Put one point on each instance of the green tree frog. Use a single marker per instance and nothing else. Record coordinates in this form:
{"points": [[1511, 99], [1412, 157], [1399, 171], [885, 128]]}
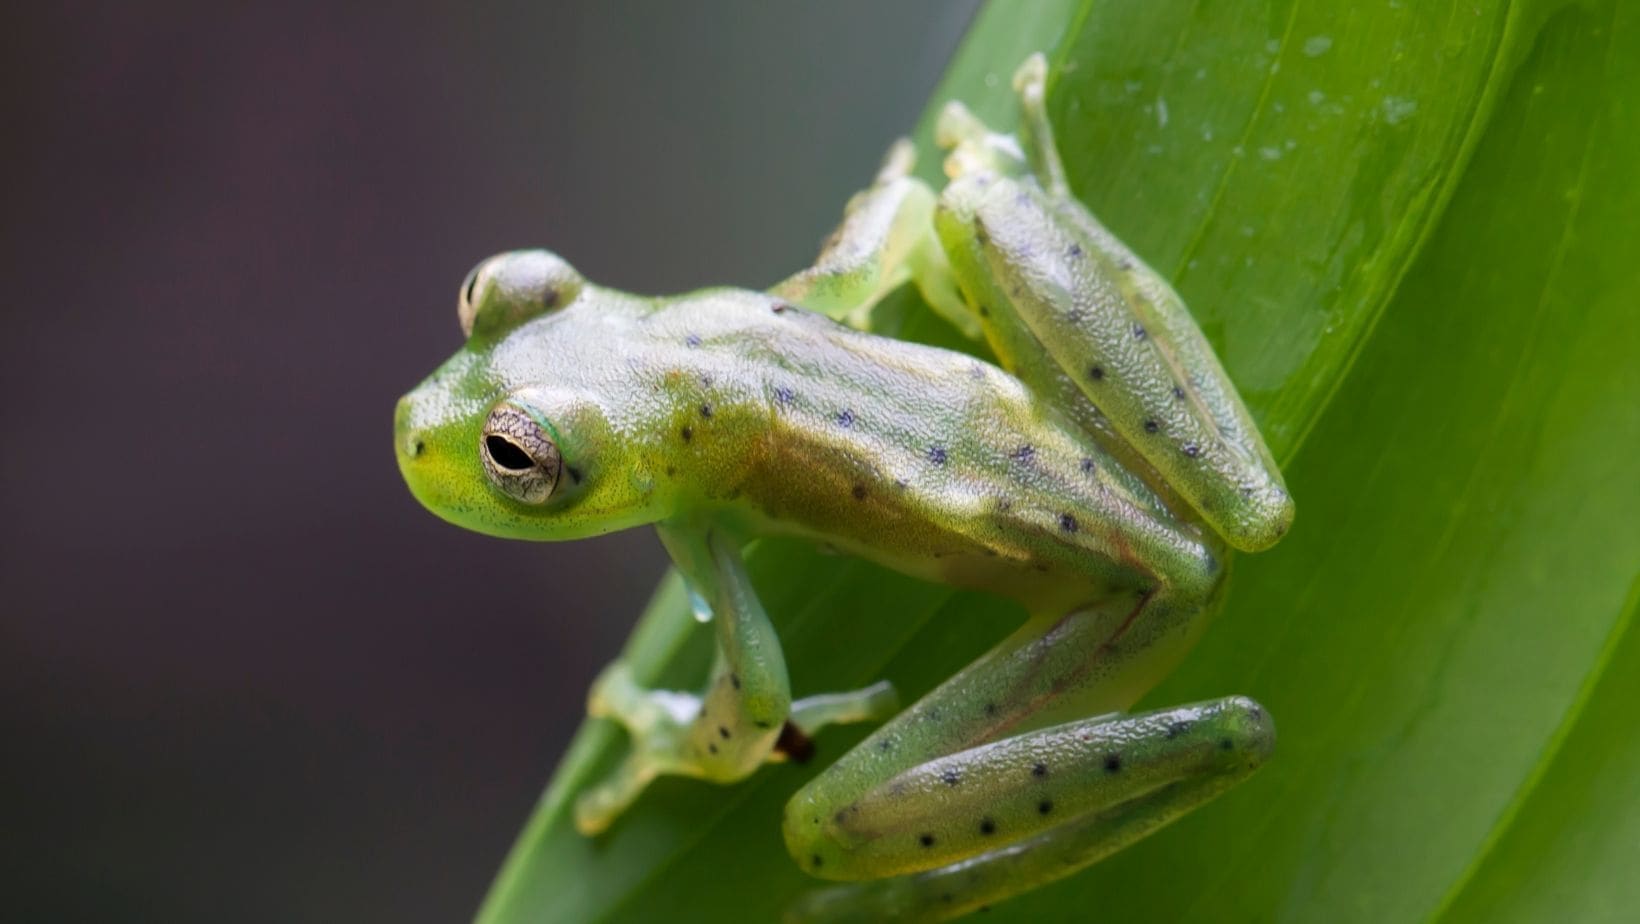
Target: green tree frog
{"points": [[1100, 476]]}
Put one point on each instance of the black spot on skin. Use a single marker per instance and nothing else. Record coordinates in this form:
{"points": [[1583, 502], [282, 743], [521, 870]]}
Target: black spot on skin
{"points": [[763, 725], [706, 411], [723, 733], [990, 708], [1139, 332], [927, 840], [984, 312], [885, 745], [946, 897], [706, 381], [783, 395], [1192, 450], [1040, 770], [1151, 426], [1177, 728], [987, 826], [1178, 393], [936, 455], [688, 433], [1074, 316], [1044, 807], [1246, 492], [859, 492], [549, 298], [734, 681], [932, 715], [1023, 454], [780, 307], [574, 473], [950, 777], [671, 470], [1097, 373], [712, 748], [1075, 251], [816, 862], [845, 418], [691, 340], [1226, 744], [1113, 763], [841, 816], [1067, 523], [1087, 465]]}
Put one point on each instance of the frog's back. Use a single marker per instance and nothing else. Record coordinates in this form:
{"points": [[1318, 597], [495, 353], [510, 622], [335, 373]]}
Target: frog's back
{"points": [[926, 460]]}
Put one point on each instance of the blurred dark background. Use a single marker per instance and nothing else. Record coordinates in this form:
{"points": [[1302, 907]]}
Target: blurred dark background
{"points": [[245, 678]]}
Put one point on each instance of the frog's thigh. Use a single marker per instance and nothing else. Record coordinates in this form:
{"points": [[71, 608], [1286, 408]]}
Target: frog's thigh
{"points": [[886, 238], [1043, 805], [943, 781]]}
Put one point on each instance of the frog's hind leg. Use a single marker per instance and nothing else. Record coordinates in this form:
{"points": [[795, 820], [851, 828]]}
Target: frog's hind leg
{"points": [[746, 716], [1062, 286], [886, 239], [967, 793], [1138, 774]]}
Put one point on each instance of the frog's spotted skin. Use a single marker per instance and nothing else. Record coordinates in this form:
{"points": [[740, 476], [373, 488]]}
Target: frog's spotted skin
{"points": [[1092, 481]]}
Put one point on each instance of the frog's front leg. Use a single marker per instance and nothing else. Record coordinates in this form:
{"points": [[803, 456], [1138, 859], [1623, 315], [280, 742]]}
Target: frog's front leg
{"points": [[886, 239], [746, 716]]}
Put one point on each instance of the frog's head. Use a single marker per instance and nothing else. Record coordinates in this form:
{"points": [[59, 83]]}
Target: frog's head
{"points": [[487, 443]]}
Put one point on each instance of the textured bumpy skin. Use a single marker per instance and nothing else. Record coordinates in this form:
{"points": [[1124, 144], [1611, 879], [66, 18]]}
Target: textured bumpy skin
{"points": [[1100, 477]]}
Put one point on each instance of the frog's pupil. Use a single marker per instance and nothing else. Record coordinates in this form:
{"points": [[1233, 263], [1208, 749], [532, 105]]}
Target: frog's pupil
{"points": [[507, 455]]}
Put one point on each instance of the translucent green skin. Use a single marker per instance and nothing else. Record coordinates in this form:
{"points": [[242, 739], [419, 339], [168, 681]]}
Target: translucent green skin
{"points": [[1100, 481]]}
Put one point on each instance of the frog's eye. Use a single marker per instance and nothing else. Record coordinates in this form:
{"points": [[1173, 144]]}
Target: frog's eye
{"points": [[510, 288], [519, 454]]}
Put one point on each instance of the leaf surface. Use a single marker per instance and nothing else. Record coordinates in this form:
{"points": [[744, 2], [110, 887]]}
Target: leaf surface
{"points": [[1409, 230]]}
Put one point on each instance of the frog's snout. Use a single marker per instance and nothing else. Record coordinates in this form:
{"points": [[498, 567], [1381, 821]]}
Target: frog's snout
{"points": [[407, 440]]}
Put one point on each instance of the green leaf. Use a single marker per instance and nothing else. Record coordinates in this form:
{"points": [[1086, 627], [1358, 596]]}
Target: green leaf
{"points": [[1410, 230]]}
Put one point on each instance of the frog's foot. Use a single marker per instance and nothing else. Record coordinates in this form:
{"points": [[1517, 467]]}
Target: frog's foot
{"points": [[658, 723], [1052, 802], [1036, 132], [976, 149], [676, 734], [886, 239], [973, 147]]}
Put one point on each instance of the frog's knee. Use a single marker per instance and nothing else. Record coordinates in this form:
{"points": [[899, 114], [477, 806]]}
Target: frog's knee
{"points": [[1262, 517], [811, 837]]}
